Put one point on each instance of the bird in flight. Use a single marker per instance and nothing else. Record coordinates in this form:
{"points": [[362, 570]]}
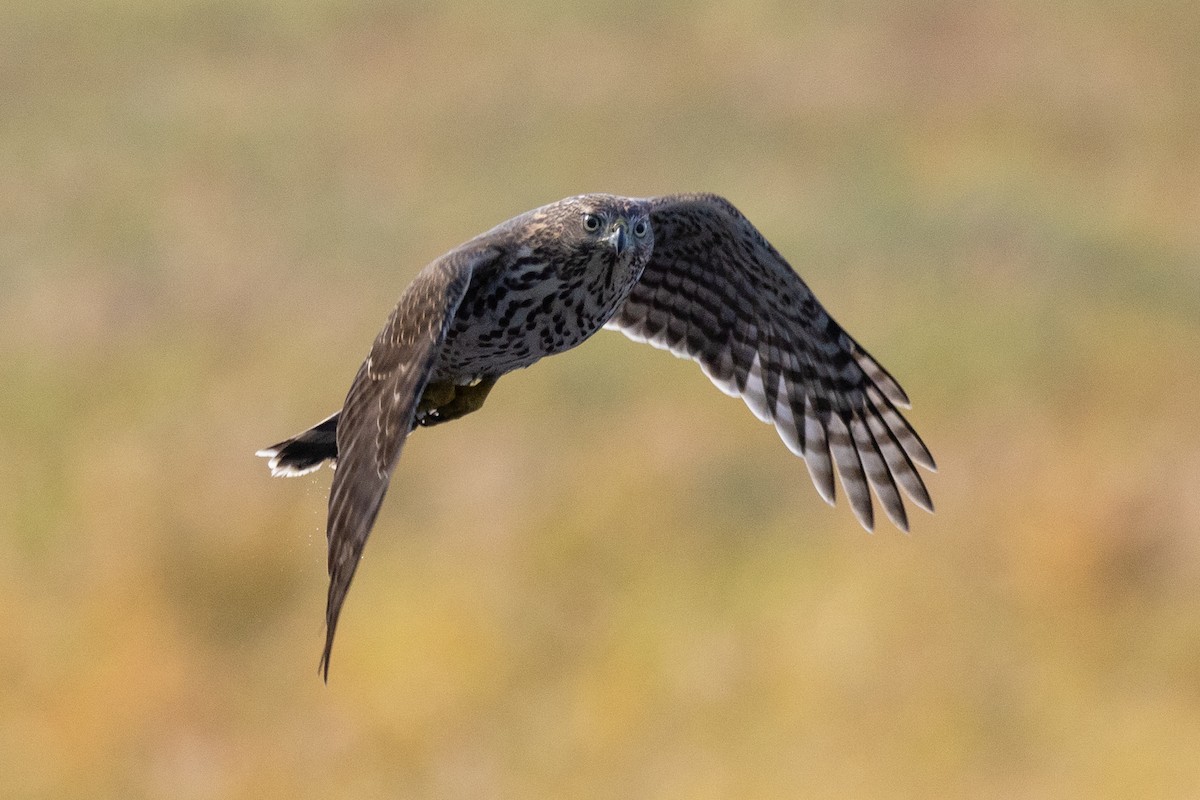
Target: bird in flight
{"points": [[687, 273]]}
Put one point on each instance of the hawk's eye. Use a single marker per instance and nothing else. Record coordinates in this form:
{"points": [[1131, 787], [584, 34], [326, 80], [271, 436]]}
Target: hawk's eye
{"points": [[641, 228], [591, 222]]}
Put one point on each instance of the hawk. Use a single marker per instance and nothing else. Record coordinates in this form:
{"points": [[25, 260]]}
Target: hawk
{"points": [[687, 273]]}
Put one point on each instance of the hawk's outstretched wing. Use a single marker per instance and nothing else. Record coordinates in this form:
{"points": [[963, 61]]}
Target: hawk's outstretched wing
{"points": [[379, 410], [717, 292]]}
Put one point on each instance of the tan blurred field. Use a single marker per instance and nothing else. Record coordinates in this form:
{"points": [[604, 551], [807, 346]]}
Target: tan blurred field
{"points": [[613, 582]]}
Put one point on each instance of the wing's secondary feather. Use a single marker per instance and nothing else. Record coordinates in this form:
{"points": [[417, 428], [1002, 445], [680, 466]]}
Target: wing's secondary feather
{"points": [[378, 414], [717, 292]]}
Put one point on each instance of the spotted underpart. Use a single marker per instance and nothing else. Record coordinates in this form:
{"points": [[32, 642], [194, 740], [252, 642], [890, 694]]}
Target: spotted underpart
{"points": [[687, 273], [529, 307]]}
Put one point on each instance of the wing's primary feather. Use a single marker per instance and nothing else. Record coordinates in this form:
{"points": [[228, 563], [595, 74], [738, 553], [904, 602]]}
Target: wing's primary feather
{"points": [[379, 410], [717, 292]]}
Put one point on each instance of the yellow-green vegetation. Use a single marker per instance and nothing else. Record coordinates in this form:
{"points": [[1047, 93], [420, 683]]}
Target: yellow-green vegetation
{"points": [[612, 582]]}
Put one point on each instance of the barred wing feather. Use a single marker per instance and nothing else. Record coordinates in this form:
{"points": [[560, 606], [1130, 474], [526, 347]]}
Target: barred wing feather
{"points": [[378, 414], [716, 291]]}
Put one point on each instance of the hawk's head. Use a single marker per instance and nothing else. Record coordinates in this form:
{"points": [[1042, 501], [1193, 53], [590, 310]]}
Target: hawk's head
{"points": [[615, 229]]}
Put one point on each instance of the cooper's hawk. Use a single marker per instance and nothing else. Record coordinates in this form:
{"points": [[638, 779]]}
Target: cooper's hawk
{"points": [[687, 273]]}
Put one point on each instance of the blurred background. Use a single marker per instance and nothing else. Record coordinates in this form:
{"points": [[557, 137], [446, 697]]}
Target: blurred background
{"points": [[612, 582]]}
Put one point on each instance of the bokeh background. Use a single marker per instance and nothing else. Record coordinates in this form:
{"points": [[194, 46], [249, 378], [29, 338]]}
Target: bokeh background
{"points": [[613, 582]]}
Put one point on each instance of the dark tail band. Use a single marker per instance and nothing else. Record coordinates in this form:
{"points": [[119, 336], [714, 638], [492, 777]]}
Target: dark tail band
{"points": [[304, 452]]}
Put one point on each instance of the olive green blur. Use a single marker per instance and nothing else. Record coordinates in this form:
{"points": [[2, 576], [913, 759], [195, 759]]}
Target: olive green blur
{"points": [[612, 581]]}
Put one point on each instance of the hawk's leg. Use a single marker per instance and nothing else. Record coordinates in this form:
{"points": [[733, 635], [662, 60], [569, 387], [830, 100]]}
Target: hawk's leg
{"points": [[435, 394], [451, 402]]}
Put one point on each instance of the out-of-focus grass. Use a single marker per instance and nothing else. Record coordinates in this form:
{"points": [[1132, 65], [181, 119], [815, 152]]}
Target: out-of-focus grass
{"points": [[613, 581]]}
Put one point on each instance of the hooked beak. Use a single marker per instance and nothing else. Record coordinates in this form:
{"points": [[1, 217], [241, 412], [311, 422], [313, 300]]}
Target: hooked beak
{"points": [[619, 238]]}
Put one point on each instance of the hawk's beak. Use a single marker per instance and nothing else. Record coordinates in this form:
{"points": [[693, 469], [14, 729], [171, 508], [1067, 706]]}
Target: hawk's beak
{"points": [[619, 238]]}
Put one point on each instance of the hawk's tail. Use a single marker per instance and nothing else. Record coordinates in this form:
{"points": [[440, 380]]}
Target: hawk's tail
{"points": [[304, 452]]}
